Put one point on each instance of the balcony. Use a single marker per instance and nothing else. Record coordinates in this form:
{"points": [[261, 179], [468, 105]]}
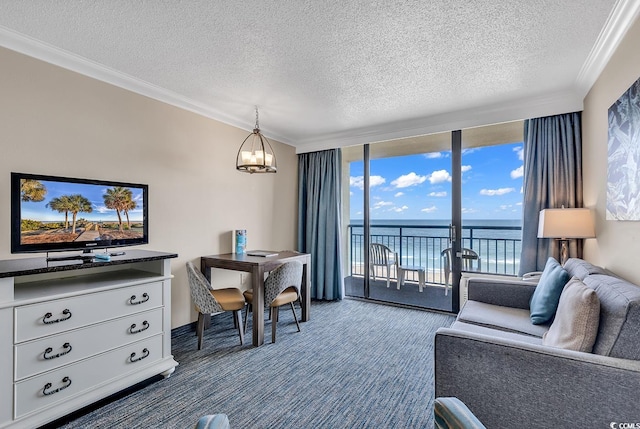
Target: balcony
{"points": [[498, 247]]}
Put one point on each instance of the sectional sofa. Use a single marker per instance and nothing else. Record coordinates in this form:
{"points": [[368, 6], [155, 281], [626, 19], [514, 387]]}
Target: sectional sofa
{"points": [[513, 373]]}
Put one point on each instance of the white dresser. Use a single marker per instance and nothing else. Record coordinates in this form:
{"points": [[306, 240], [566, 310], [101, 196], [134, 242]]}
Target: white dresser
{"points": [[73, 332]]}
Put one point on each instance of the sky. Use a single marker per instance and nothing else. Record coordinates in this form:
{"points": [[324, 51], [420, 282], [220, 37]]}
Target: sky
{"points": [[419, 186], [39, 211]]}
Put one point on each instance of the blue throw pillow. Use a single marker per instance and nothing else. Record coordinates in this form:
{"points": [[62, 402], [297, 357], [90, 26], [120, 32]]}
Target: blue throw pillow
{"points": [[544, 301]]}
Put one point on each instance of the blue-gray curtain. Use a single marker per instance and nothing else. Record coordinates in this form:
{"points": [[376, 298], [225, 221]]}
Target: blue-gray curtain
{"points": [[319, 224], [552, 179]]}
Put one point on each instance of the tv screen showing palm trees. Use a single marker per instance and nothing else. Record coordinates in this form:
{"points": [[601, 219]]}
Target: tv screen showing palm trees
{"points": [[54, 213]]}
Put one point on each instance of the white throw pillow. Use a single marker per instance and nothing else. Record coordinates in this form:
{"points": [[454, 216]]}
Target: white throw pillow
{"points": [[575, 326]]}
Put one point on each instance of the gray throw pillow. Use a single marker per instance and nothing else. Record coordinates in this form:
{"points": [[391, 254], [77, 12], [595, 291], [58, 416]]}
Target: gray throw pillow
{"points": [[576, 324]]}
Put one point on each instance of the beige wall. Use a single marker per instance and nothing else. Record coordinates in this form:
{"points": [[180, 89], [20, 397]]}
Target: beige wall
{"points": [[617, 245], [57, 122]]}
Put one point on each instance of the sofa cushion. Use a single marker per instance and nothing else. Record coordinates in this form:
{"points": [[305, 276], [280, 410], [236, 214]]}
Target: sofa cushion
{"points": [[580, 268], [618, 332], [544, 301], [507, 319], [496, 333], [576, 323]]}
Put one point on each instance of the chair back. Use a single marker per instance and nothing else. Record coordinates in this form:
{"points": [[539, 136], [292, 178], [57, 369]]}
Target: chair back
{"points": [[379, 254], [201, 291], [468, 256], [286, 275]]}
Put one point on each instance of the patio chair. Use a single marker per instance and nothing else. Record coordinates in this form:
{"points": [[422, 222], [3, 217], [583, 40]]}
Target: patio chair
{"points": [[382, 256], [468, 258]]}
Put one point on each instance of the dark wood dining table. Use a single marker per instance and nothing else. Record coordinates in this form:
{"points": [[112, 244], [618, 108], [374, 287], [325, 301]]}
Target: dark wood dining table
{"points": [[257, 266]]}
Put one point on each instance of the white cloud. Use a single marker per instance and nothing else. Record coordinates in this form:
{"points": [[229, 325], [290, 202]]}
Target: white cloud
{"points": [[376, 181], [494, 192], [518, 172], [358, 181], [407, 180], [520, 152], [429, 209], [400, 209], [438, 194], [465, 168], [467, 211], [399, 194], [433, 155], [439, 177], [380, 204]]}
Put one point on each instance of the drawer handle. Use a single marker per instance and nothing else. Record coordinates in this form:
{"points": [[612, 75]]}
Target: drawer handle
{"points": [[66, 312], [51, 392], [49, 350], [133, 330], [133, 358], [145, 298]]}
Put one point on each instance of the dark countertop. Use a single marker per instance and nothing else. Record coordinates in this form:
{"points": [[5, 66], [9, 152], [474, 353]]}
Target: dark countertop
{"points": [[28, 266]]}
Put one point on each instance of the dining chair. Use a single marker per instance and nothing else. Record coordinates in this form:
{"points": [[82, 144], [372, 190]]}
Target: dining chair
{"points": [[468, 258], [209, 301], [381, 256], [281, 287]]}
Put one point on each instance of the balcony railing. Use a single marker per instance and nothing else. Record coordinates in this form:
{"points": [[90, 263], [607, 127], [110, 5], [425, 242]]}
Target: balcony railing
{"points": [[498, 247]]}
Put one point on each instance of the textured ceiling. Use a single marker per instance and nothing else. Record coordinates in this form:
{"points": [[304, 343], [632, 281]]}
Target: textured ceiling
{"points": [[327, 71]]}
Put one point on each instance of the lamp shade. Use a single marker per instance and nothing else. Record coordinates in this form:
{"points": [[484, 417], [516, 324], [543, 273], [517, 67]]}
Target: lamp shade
{"points": [[565, 223], [256, 154]]}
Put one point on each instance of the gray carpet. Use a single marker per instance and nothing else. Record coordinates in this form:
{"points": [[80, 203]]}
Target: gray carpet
{"points": [[354, 365]]}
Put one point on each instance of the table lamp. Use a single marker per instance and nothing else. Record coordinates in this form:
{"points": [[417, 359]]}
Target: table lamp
{"points": [[564, 224]]}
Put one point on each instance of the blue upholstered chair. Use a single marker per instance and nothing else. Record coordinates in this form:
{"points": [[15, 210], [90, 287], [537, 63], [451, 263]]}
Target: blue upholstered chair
{"points": [[213, 301], [281, 287], [452, 413], [213, 421]]}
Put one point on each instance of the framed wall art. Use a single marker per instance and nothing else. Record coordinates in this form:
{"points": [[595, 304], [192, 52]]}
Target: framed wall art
{"points": [[623, 175]]}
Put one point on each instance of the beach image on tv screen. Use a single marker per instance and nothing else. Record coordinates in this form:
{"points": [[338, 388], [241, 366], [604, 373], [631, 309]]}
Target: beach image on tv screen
{"points": [[63, 212]]}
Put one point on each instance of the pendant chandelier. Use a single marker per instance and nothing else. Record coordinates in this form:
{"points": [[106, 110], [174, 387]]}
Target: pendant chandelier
{"points": [[256, 154]]}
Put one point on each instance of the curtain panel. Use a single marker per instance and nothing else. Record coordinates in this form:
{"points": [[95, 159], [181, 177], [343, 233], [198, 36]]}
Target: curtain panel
{"points": [[319, 223], [552, 179]]}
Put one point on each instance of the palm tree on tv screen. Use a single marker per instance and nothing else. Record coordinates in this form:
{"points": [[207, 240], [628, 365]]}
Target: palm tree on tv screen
{"points": [[62, 204], [78, 203], [32, 190], [119, 199], [129, 205]]}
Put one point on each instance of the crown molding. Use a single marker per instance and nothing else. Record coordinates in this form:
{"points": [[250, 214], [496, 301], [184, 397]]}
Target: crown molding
{"points": [[622, 17], [59, 57], [523, 108]]}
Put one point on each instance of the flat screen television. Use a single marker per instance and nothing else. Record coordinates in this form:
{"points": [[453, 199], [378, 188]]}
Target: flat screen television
{"points": [[55, 214]]}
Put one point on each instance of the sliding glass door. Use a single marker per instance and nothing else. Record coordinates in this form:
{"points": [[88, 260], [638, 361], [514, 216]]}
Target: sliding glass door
{"points": [[405, 205]]}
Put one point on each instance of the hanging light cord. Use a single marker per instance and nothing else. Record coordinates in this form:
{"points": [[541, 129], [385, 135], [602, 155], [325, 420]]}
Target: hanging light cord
{"points": [[257, 122]]}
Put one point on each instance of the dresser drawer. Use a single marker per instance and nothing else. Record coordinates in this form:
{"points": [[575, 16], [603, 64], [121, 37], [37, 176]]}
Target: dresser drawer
{"points": [[59, 315], [64, 383], [44, 354]]}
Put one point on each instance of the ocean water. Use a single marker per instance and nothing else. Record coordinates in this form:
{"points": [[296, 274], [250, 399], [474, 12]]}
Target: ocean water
{"points": [[421, 242]]}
